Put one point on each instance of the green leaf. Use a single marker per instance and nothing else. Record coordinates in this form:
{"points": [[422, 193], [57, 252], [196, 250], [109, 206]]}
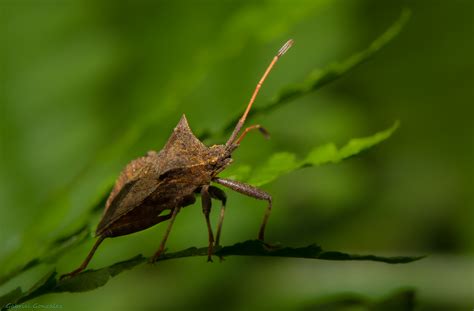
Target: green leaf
{"points": [[313, 251], [284, 162], [92, 279], [320, 77], [279, 164], [357, 145]]}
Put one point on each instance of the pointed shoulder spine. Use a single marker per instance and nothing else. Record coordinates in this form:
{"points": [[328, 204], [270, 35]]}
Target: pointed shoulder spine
{"points": [[183, 123]]}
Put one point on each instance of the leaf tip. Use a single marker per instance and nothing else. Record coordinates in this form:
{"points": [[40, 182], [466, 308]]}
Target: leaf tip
{"points": [[395, 126], [405, 15]]}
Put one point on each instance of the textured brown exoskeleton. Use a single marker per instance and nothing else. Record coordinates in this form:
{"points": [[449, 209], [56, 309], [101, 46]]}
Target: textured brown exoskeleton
{"points": [[168, 180]]}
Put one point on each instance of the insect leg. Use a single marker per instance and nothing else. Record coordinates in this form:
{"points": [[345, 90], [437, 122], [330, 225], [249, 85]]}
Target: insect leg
{"points": [[206, 209], [165, 237], [86, 261], [253, 127], [253, 192], [218, 194]]}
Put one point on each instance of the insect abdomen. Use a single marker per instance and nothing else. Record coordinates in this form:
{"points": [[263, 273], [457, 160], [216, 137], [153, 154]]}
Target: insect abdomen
{"points": [[141, 218]]}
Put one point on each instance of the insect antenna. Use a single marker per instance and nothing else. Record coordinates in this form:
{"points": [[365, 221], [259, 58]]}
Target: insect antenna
{"points": [[230, 144]]}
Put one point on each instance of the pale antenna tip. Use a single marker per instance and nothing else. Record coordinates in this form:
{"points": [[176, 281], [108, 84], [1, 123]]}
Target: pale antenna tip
{"points": [[285, 47]]}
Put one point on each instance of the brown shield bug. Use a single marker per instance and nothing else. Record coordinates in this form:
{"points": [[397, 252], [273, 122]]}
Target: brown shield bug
{"points": [[168, 180]]}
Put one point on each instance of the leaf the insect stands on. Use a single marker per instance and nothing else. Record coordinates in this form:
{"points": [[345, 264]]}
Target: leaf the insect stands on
{"points": [[92, 279]]}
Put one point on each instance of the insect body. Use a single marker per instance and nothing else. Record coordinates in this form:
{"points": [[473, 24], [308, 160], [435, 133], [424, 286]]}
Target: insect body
{"points": [[154, 188]]}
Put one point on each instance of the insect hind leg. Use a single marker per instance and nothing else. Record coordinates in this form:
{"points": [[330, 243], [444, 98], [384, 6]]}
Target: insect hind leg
{"points": [[86, 261], [253, 192]]}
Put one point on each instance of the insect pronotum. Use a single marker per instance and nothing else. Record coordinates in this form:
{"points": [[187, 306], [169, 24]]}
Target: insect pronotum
{"points": [[169, 180]]}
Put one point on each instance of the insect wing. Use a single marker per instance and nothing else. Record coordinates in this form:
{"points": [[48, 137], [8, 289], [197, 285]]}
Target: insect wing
{"points": [[130, 196]]}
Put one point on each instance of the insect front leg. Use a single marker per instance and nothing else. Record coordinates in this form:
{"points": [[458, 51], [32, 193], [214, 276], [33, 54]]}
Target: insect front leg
{"points": [[165, 237], [253, 192], [220, 195], [206, 209], [264, 132]]}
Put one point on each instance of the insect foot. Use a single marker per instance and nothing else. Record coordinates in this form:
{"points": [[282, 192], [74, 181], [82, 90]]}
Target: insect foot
{"points": [[68, 275], [159, 254]]}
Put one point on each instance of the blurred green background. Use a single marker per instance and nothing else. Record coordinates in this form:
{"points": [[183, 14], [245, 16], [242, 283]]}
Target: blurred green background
{"points": [[87, 86]]}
